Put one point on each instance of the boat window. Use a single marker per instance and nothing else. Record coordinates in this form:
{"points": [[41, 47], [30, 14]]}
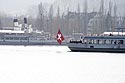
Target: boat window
{"points": [[104, 41], [16, 38], [7, 38], [95, 41], [11, 38], [21, 38], [108, 42], [115, 42], [12, 34], [26, 38], [120, 42], [91, 46], [101, 42], [90, 41], [85, 41], [111, 41], [2, 38]]}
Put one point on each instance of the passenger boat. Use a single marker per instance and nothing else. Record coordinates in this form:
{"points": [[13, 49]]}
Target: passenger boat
{"points": [[102, 43]]}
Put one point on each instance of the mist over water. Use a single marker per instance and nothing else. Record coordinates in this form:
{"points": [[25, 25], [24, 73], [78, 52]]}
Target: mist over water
{"points": [[57, 64]]}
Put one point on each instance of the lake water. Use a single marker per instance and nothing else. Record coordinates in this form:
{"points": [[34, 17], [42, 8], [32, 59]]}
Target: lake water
{"points": [[56, 64]]}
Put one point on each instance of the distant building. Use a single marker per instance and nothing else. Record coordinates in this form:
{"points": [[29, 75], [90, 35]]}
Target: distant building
{"points": [[76, 21], [109, 24], [93, 25]]}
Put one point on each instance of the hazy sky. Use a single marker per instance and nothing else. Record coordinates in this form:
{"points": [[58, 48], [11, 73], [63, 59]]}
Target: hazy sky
{"points": [[19, 5]]}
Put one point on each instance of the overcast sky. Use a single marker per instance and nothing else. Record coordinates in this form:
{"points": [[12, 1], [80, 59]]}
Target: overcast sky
{"points": [[19, 5]]}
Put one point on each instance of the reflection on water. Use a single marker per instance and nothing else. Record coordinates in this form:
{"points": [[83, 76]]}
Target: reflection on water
{"points": [[57, 64]]}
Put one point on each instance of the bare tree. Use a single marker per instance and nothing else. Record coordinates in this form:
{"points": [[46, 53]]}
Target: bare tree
{"points": [[51, 19], [110, 12], [115, 17], [0, 23], [101, 18], [85, 17], [41, 15], [78, 19], [58, 19], [68, 30]]}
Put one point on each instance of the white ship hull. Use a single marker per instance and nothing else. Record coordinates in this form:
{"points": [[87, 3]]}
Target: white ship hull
{"points": [[47, 42], [26, 40]]}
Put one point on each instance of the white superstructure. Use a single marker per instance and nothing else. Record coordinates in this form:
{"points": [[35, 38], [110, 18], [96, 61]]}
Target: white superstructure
{"points": [[23, 35], [102, 43]]}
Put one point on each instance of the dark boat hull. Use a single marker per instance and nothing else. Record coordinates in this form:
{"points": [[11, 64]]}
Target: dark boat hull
{"points": [[110, 50]]}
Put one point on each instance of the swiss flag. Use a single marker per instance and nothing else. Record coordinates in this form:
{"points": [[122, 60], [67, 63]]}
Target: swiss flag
{"points": [[60, 37]]}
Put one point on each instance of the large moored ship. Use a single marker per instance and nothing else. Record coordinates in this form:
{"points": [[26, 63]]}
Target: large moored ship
{"points": [[25, 35]]}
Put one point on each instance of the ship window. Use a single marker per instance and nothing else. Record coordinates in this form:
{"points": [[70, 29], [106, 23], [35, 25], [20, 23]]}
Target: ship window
{"points": [[104, 41], [91, 46], [115, 42], [107, 41], [16, 38], [111, 41], [25, 38], [21, 38], [11, 38], [2, 38], [7, 38], [90, 41], [97, 41], [85, 41], [93, 42], [100, 42], [120, 42], [7, 33]]}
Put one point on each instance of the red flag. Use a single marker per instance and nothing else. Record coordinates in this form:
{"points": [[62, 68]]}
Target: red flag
{"points": [[60, 37]]}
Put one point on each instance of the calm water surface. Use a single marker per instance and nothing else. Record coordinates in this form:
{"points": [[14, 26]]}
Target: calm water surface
{"points": [[56, 64]]}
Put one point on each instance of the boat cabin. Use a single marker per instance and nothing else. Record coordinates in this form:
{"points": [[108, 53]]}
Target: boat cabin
{"points": [[104, 40]]}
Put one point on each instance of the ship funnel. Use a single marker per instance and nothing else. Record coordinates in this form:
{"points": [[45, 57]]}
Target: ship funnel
{"points": [[25, 23], [15, 21], [25, 20]]}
